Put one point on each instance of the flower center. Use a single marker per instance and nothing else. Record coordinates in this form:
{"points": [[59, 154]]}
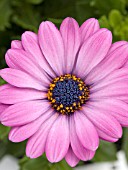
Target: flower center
{"points": [[67, 93]]}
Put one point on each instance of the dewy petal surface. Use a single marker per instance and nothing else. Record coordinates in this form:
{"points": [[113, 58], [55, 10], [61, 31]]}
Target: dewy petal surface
{"points": [[92, 52], [88, 28], [23, 113], [51, 43], [71, 38], [11, 95], [58, 138]]}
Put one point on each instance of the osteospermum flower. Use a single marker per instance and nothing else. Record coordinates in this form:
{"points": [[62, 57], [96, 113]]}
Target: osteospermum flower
{"points": [[66, 89]]}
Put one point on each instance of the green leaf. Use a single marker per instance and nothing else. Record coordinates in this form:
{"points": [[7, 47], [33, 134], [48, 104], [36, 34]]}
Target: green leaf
{"points": [[104, 23], [27, 17], [2, 81], [126, 2], [84, 10], [34, 1], [78, 9], [106, 152], [105, 6], [5, 13], [57, 22], [60, 9], [2, 149], [16, 149], [42, 163], [115, 18], [32, 164], [4, 131], [125, 142], [60, 166]]}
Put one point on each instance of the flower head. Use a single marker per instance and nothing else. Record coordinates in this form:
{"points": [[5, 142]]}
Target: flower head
{"points": [[66, 89]]}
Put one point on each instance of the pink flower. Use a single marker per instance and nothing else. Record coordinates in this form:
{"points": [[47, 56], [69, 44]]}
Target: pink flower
{"points": [[66, 90]]}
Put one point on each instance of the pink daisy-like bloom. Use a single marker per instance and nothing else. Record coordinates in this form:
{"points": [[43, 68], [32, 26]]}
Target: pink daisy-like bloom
{"points": [[66, 89]]}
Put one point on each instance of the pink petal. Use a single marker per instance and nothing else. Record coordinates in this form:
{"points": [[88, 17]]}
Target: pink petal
{"points": [[31, 45], [126, 64], [104, 122], [20, 79], [88, 28], [9, 62], [11, 95], [36, 144], [31, 35], [16, 44], [79, 150], [58, 140], [86, 132], [123, 98], [71, 38], [115, 76], [112, 90], [106, 137], [114, 107], [116, 45], [3, 107], [92, 52], [22, 113], [22, 60], [21, 133], [51, 43], [71, 158], [113, 61]]}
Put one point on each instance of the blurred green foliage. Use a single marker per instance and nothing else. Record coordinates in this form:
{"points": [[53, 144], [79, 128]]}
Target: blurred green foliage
{"points": [[42, 163], [125, 142], [17, 16], [105, 152]]}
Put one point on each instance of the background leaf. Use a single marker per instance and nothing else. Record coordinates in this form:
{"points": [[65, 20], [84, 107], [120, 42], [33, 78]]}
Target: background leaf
{"points": [[5, 14], [16, 149], [106, 152], [125, 142], [34, 1], [17, 16], [26, 17], [3, 149], [32, 164], [115, 18], [3, 131], [104, 7]]}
